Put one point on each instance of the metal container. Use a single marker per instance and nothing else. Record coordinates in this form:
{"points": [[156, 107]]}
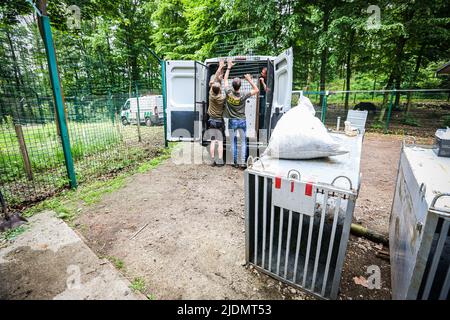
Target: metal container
{"points": [[441, 145], [298, 217], [419, 226]]}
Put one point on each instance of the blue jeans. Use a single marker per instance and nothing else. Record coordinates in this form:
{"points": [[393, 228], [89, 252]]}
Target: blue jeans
{"points": [[233, 126]]}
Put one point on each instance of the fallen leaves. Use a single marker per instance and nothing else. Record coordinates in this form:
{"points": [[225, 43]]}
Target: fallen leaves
{"points": [[360, 281]]}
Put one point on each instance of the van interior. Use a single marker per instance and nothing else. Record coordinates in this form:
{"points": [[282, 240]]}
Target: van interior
{"points": [[258, 108]]}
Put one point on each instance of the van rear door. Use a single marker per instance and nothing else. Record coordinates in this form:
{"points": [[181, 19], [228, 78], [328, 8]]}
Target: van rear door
{"points": [[200, 95], [182, 115], [283, 73]]}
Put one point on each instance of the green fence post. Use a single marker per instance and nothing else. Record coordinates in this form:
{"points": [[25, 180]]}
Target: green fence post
{"points": [[388, 117], [56, 87], [164, 94], [138, 116], [324, 107]]}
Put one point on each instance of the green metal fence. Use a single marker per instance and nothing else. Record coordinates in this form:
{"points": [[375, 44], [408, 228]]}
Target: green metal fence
{"points": [[33, 164], [412, 112]]}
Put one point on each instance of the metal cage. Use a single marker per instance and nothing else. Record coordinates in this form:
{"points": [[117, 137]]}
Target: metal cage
{"points": [[296, 231], [419, 226]]}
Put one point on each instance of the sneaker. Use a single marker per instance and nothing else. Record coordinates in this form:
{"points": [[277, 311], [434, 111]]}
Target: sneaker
{"points": [[242, 166], [235, 165], [220, 163], [213, 163]]}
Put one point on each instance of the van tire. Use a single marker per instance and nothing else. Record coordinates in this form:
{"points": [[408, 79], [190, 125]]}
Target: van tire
{"points": [[148, 122], [124, 121]]}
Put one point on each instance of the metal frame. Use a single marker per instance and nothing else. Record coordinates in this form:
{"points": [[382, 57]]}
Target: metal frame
{"points": [[59, 102], [201, 113], [282, 274], [431, 229]]}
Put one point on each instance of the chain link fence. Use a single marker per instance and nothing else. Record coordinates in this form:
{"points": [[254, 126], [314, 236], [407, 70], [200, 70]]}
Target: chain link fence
{"points": [[407, 112], [105, 134]]}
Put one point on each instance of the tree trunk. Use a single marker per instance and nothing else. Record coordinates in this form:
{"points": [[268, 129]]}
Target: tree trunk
{"points": [[349, 67], [414, 77], [386, 96], [17, 76], [395, 74], [111, 62], [324, 53]]}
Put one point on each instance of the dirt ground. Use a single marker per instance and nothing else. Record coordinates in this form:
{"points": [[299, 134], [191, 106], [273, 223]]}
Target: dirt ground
{"points": [[192, 243], [379, 164]]}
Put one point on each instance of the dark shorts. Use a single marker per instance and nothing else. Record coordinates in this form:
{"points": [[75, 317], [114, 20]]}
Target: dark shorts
{"points": [[216, 129]]}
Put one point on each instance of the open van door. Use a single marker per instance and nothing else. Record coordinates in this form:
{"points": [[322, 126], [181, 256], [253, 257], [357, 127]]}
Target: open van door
{"points": [[182, 114], [200, 96], [282, 92]]}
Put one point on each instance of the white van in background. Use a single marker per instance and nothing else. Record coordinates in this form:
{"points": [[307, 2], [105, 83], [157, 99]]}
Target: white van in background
{"points": [[151, 110]]}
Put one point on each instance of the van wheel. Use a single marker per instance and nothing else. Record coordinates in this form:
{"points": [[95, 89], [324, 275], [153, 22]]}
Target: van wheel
{"points": [[124, 121], [148, 122]]}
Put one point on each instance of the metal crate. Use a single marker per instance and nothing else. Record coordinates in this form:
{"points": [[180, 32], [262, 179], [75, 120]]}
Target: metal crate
{"points": [[419, 226], [441, 145], [296, 230]]}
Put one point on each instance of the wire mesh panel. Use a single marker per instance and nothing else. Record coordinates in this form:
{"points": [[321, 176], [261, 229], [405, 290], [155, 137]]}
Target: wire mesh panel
{"points": [[414, 112], [298, 235], [95, 91]]}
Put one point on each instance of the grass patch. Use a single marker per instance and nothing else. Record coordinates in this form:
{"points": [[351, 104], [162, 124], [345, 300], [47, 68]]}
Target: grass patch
{"points": [[93, 193], [117, 262], [149, 165], [410, 121], [446, 121], [138, 285], [45, 149], [377, 125], [13, 233]]}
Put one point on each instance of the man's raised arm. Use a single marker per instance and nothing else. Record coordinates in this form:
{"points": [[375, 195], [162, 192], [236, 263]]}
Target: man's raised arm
{"points": [[255, 88], [230, 64], [218, 73]]}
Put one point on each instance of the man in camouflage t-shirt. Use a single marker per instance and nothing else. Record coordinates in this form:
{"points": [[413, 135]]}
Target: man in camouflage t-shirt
{"points": [[235, 109], [215, 113]]}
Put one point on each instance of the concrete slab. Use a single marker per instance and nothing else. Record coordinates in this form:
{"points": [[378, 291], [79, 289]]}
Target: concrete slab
{"points": [[50, 261]]}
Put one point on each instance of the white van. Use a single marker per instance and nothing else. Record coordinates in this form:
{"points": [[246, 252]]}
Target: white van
{"points": [[188, 90], [151, 110]]}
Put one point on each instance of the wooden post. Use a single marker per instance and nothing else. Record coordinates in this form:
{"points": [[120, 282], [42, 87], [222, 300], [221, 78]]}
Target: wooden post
{"points": [[138, 115], [116, 120], [24, 151]]}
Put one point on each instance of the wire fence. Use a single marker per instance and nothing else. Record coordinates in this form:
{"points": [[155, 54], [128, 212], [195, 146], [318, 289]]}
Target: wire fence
{"points": [[406, 112], [101, 116]]}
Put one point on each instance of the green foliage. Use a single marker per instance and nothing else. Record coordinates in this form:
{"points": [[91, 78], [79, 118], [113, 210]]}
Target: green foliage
{"points": [[446, 121], [410, 121], [111, 50], [11, 234], [138, 285], [156, 161], [170, 37], [377, 125], [117, 262]]}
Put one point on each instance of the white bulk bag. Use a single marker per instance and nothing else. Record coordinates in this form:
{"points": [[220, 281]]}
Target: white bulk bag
{"points": [[300, 135]]}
